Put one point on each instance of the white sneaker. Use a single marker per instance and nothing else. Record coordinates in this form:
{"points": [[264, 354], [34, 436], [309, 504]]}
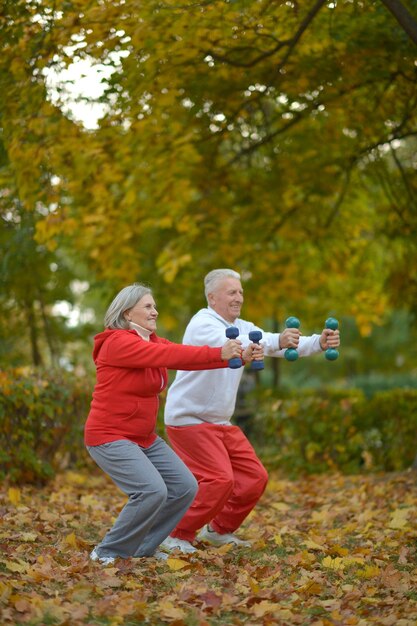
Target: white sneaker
{"points": [[173, 543], [104, 560], [216, 539], [161, 556]]}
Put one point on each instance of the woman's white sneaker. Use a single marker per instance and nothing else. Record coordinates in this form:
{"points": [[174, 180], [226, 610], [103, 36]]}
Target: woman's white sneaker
{"points": [[104, 560], [173, 543]]}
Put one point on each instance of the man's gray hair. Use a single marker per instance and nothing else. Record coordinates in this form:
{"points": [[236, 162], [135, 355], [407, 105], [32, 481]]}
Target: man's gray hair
{"points": [[125, 300], [213, 278]]}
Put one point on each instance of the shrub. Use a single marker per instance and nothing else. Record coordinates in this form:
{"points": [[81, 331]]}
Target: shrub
{"points": [[337, 430], [42, 415], [389, 423]]}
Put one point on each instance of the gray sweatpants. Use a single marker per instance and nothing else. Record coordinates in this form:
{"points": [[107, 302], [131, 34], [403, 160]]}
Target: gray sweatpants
{"points": [[160, 489]]}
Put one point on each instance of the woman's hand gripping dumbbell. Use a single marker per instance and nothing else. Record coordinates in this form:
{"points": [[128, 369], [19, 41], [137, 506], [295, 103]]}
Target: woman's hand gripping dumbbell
{"points": [[235, 360], [256, 349], [251, 353]]}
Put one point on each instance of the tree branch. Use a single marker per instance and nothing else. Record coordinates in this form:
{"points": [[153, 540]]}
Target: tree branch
{"points": [[303, 26], [291, 43], [403, 17]]}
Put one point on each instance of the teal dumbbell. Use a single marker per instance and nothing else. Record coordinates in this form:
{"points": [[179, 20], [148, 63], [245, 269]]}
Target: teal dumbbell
{"points": [[331, 354], [291, 354]]}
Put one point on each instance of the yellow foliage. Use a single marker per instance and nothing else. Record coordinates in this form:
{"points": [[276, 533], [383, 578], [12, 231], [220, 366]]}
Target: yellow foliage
{"points": [[176, 564], [253, 584], [169, 610], [281, 506], [71, 540], [312, 545], [224, 549], [14, 566], [370, 571], [5, 591], [265, 607], [336, 563], [29, 537], [14, 495], [399, 518]]}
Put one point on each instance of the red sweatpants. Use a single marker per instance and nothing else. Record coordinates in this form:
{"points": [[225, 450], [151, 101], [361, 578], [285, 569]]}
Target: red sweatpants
{"points": [[231, 478]]}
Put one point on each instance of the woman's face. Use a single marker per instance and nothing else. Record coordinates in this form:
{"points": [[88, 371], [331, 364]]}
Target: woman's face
{"points": [[144, 313]]}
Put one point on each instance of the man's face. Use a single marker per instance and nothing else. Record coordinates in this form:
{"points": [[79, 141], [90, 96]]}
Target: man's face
{"points": [[227, 299]]}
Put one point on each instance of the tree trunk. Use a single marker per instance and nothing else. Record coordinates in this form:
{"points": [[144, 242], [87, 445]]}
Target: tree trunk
{"points": [[274, 362], [33, 332], [403, 17], [50, 340]]}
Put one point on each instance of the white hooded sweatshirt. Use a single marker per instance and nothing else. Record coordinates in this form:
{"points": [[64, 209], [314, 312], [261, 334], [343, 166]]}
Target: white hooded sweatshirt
{"points": [[210, 395]]}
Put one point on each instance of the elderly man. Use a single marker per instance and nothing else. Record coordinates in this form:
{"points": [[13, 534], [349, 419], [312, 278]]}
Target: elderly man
{"points": [[199, 407]]}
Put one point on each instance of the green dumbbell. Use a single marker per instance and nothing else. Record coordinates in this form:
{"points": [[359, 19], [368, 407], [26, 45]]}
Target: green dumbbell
{"points": [[331, 354], [291, 354]]}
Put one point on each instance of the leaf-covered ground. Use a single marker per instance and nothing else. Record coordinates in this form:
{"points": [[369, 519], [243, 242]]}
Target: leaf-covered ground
{"points": [[327, 550]]}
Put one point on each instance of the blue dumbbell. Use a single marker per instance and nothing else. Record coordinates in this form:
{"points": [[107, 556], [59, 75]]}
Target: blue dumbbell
{"points": [[291, 354], [231, 333], [255, 336], [331, 354]]}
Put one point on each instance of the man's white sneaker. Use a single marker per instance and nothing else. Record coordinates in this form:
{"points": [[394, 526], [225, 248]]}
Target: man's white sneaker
{"points": [[104, 560], [216, 539], [173, 543]]}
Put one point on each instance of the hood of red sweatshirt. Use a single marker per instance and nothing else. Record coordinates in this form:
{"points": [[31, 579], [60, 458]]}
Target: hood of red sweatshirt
{"points": [[101, 338]]}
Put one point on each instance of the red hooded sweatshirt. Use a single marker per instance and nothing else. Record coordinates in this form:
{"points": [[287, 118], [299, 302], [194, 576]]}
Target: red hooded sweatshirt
{"points": [[131, 372]]}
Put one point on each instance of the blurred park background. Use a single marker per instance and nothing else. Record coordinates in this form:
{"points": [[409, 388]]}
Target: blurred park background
{"points": [[156, 141]]}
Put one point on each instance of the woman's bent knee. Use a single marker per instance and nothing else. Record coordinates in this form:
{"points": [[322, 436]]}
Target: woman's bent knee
{"points": [[157, 496]]}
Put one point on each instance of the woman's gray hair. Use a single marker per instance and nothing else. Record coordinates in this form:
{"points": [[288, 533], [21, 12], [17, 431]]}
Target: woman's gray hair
{"points": [[213, 278], [125, 300]]}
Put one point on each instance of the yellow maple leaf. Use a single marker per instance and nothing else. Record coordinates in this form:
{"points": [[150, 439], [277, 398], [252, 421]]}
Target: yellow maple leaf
{"points": [[5, 591], [311, 588], [14, 495], [278, 540], [224, 549], [20, 567], [339, 550], [71, 540], [176, 564], [336, 615], [320, 516], [335, 564], [89, 500], [264, 607], [352, 560], [398, 519], [29, 537], [369, 571], [75, 478], [281, 506], [312, 545], [167, 609]]}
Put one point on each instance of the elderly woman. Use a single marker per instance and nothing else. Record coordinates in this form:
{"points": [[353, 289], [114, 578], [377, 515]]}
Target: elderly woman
{"points": [[131, 362]]}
